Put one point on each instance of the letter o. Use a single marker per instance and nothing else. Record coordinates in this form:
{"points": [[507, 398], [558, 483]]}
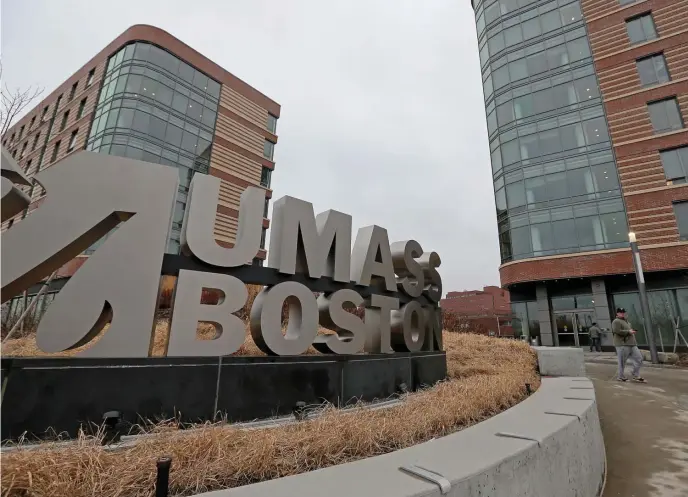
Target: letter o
{"points": [[408, 328], [266, 319]]}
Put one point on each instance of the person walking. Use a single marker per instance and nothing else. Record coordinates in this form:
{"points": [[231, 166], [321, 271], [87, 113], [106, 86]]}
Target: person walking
{"points": [[626, 346], [595, 338]]}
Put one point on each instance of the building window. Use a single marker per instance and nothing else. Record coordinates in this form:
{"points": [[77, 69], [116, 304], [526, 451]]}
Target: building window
{"points": [[57, 104], [28, 165], [55, 151], [681, 211], [272, 123], [45, 111], [675, 163], [35, 142], [641, 28], [26, 144], [652, 70], [265, 208], [82, 106], [89, 80], [21, 132], [12, 138], [265, 176], [65, 118], [665, 115], [263, 233], [33, 121], [268, 149], [73, 92], [72, 140]]}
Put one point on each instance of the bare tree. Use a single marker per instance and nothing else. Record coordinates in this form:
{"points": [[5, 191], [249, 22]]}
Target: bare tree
{"points": [[13, 102]]}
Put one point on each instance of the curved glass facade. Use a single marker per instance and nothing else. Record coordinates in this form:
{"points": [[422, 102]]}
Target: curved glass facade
{"points": [[157, 108], [555, 178]]}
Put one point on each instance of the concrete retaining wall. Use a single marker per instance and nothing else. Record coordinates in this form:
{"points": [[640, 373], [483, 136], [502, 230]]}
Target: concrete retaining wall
{"points": [[548, 445], [561, 361]]}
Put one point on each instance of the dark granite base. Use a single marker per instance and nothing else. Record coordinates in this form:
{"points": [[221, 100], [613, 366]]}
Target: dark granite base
{"points": [[66, 393]]}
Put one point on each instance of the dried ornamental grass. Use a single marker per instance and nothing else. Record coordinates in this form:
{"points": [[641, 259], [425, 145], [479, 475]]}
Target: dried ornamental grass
{"points": [[487, 375]]}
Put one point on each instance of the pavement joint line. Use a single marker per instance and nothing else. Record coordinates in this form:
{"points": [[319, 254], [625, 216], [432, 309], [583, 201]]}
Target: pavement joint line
{"points": [[517, 435], [577, 398], [557, 413], [582, 388], [428, 475]]}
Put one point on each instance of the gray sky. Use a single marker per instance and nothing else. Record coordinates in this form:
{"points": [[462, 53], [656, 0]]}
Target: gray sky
{"points": [[382, 114]]}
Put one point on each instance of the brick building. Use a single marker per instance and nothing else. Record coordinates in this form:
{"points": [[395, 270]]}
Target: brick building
{"points": [[586, 105], [149, 96], [487, 310]]}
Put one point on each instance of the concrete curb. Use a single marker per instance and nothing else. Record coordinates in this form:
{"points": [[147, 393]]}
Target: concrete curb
{"points": [[548, 445]]}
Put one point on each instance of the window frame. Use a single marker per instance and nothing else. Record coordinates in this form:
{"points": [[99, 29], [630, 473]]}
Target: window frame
{"points": [[639, 17], [72, 93], [664, 101], [90, 77], [82, 106], [72, 140], [684, 166], [651, 58], [56, 151], [682, 236]]}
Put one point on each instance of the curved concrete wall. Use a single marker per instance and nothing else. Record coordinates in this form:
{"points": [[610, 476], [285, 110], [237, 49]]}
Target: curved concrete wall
{"points": [[548, 445]]}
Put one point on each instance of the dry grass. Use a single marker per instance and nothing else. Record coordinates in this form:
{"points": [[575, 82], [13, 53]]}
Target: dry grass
{"points": [[26, 345], [487, 375]]}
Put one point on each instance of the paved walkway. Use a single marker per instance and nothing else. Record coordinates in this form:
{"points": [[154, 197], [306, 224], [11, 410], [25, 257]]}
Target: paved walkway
{"points": [[645, 429]]}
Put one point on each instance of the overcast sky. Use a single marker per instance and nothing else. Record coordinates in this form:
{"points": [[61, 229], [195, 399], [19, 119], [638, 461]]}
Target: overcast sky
{"points": [[382, 114]]}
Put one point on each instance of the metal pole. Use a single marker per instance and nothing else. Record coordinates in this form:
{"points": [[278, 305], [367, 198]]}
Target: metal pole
{"points": [[25, 301], [30, 308], [644, 306], [162, 483]]}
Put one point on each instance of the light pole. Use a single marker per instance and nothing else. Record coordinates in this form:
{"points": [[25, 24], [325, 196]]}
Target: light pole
{"points": [[644, 307]]}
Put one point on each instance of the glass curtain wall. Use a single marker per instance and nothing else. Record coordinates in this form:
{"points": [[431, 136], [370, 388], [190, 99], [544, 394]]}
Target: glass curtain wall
{"points": [[525, 320], [668, 308], [157, 108], [555, 179]]}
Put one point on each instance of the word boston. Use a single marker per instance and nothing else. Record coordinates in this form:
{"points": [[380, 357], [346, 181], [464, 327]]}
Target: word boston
{"points": [[398, 284]]}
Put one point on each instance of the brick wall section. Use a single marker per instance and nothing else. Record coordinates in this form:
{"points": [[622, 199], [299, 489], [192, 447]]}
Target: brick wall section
{"points": [[594, 264], [490, 300], [636, 145]]}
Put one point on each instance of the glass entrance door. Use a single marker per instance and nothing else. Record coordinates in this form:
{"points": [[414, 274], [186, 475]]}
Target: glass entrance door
{"points": [[566, 329], [584, 321], [572, 328]]}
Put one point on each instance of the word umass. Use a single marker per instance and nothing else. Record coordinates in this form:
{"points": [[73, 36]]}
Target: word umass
{"points": [[401, 313]]}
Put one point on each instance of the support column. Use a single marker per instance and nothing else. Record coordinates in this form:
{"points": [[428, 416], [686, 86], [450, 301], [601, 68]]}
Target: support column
{"points": [[546, 336], [604, 321]]}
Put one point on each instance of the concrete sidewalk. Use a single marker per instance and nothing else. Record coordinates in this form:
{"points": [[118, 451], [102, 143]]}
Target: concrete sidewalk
{"points": [[645, 429]]}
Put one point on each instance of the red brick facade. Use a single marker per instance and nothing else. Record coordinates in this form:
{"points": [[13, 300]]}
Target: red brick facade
{"points": [[594, 264]]}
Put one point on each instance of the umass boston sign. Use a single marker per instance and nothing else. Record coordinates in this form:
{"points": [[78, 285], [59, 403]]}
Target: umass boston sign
{"points": [[315, 265]]}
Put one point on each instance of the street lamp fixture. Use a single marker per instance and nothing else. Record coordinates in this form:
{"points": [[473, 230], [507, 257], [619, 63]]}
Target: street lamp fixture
{"points": [[645, 308]]}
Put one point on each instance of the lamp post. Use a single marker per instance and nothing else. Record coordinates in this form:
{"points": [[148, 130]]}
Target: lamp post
{"points": [[644, 307]]}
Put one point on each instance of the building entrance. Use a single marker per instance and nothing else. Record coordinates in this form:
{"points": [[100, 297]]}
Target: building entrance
{"points": [[573, 326]]}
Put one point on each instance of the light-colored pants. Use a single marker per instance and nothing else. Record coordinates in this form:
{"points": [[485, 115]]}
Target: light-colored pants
{"points": [[625, 352]]}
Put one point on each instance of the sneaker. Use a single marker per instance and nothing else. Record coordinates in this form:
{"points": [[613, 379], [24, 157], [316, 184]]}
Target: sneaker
{"points": [[640, 379], [621, 378]]}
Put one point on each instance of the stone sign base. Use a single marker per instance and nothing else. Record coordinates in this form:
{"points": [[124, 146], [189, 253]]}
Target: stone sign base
{"points": [[67, 393]]}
